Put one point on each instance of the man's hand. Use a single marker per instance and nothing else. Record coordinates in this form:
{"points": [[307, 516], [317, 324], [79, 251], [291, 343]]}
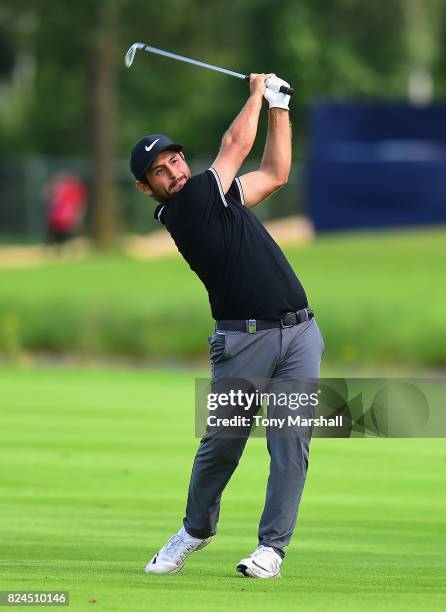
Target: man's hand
{"points": [[272, 93], [257, 84]]}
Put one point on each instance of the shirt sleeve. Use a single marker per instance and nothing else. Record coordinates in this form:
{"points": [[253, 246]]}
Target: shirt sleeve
{"points": [[236, 191]]}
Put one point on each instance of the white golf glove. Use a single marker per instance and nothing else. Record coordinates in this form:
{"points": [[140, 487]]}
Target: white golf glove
{"points": [[276, 99]]}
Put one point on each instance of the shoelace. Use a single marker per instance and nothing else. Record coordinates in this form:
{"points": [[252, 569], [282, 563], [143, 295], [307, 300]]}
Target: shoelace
{"points": [[268, 558], [171, 548]]}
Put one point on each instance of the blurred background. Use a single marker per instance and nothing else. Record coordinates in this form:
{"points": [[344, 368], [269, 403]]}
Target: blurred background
{"points": [[103, 327], [86, 270]]}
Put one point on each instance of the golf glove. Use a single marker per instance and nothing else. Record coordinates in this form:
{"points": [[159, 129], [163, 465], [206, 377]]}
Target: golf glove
{"points": [[276, 99]]}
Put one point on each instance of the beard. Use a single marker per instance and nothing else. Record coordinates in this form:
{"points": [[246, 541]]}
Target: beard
{"points": [[178, 184]]}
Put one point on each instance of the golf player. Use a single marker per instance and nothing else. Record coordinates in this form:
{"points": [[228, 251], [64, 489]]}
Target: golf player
{"points": [[264, 327]]}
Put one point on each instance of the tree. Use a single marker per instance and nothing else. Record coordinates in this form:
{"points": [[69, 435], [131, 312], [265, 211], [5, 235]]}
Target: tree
{"points": [[103, 120], [423, 25]]}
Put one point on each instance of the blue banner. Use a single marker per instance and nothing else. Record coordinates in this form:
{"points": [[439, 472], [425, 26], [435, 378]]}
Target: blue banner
{"points": [[376, 166]]}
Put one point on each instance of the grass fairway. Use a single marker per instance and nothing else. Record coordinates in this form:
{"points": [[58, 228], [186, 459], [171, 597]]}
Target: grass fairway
{"points": [[94, 471]]}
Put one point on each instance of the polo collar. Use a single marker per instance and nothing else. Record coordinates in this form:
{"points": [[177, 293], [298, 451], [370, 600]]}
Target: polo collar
{"points": [[159, 210]]}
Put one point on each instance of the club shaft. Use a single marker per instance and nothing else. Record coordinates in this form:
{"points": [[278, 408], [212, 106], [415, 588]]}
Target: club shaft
{"points": [[188, 60], [131, 54]]}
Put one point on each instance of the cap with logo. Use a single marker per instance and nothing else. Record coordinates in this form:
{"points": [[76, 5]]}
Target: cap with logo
{"points": [[145, 151]]}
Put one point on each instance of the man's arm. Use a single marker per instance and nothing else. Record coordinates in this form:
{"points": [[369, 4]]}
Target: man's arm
{"points": [[238, 140], [276, 162]]}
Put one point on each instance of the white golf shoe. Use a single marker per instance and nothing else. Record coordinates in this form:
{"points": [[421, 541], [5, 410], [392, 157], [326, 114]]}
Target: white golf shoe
{"points": [[264, 562], [172, 557]]}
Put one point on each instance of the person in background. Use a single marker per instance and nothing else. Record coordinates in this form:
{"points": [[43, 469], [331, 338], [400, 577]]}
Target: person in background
{"points": [[67, 201]]}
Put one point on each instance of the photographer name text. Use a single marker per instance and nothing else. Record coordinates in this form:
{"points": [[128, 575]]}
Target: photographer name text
{"points": [[279, 423]]}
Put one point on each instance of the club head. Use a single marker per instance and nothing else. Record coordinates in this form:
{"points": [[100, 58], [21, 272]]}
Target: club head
{"points": [[130, 55]]}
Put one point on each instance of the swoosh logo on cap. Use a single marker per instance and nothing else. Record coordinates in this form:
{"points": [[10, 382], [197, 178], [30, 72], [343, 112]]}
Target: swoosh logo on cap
{"points": [[149, 148]]}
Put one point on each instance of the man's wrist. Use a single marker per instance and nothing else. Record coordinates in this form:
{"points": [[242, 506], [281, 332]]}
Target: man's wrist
{"points": [[255, 102], [256, 96]]}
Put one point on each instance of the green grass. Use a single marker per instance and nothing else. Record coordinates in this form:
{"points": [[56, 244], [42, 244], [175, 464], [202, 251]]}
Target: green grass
{"points": [[94, 473], [379, 299]]}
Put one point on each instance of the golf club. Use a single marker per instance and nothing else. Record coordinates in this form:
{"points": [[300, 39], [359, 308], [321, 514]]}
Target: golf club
{"points": [[130, 56]]}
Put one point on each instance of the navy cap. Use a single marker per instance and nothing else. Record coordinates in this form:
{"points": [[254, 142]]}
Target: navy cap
{"points": [[145, 151]]}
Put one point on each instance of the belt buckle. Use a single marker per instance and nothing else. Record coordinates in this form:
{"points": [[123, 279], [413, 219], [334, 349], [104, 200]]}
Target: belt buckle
{"points": [[282, 325], [251, 326]]}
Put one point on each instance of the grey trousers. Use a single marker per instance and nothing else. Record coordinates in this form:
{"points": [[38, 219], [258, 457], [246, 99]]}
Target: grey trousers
{"points": [[289, 353]]}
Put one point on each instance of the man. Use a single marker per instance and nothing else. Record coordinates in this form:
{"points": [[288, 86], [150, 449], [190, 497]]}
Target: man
{"points": [[264, 327]]}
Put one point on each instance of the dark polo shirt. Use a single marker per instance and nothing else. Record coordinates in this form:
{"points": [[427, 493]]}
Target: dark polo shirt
{"points": [[244, 271]]}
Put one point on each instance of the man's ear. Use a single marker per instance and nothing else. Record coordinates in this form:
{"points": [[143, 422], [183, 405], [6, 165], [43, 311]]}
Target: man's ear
{"points": [[144, 188]]}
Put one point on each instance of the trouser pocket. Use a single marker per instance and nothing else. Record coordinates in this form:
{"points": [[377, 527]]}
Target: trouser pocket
{"points": [[217, 344]]}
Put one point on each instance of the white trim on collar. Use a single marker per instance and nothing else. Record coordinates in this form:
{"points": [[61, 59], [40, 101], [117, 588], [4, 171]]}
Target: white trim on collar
{"points": [[160, 211]]}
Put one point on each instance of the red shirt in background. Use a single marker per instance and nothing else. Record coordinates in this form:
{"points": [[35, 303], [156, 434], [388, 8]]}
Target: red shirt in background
{"points": [[68, 199]]}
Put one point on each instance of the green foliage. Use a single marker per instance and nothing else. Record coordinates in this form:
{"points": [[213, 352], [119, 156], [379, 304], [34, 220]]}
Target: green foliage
{"points": [[378, 300], [326, 48]]}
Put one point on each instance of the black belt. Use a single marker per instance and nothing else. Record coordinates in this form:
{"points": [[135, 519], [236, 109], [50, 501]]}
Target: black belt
{"points": [[253, 325]]}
